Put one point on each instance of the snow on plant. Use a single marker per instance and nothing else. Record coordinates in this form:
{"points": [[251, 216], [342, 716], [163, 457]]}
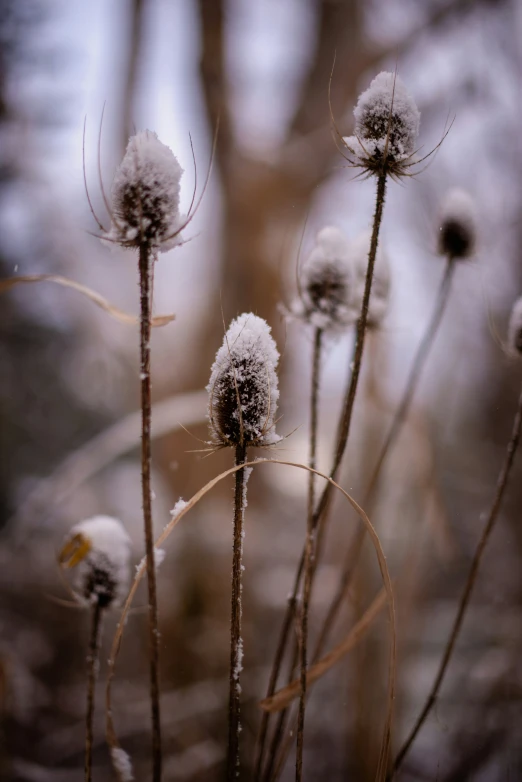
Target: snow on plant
{"points": [[97, 551], [386, 127], [458, 225], [243, 388], [146, 195], [326, 284]]}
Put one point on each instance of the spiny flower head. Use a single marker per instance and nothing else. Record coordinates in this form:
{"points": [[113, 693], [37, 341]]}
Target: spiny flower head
{"points": [[326, 284], [244, 371], [386, 127], [145, 195], [381, 283], [98, 549], [515, 329], [457, 228]]}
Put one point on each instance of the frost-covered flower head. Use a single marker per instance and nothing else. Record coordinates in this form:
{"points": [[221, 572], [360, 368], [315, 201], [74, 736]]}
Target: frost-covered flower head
{"points": [[515, 329], [458, 226], [145, 195], [244, 371], [98, 551], [381, 283], [386, 127], [326, 283]]}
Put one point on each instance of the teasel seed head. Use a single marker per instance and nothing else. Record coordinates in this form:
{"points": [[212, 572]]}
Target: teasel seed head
{"points": [[515, 329], [386, 127], [381, 283], [244, 371], [98, 551], [326, 284], [458, 225], [146, 195]]}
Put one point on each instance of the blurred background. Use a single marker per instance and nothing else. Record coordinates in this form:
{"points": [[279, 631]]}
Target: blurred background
{"points": [[69, 386]]}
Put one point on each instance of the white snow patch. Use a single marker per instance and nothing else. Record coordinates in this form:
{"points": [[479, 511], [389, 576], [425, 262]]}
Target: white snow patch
{"points": [[122, 764]]}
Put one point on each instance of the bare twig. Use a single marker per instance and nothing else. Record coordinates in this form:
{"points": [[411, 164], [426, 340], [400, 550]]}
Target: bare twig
{"points": [[502, 483], [309, 551], [145, 263], [92, 671]]}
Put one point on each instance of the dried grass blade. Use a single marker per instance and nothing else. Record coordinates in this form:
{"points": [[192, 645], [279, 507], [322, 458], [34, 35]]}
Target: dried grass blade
{"points": [[96, 298]]}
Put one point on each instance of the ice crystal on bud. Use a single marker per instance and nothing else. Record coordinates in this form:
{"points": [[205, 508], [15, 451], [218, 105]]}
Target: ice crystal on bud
{"points": [[243, 389], [381, 284], [457, 230], [145, 195], [515, 328], [326, 284], [386, 127], [98, 551]]}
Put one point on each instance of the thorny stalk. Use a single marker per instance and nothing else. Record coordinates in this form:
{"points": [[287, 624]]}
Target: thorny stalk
{"points": [[492, 516], [145, 272], [344, 422], [309, 551], [399, 418], [236, 650], [92, 672]]}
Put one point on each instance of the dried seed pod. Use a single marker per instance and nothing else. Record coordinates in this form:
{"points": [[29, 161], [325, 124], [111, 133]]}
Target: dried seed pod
{"points": [[326, 284], [515, 329], [457, 229], [243, 388], [146, 194], [98, 549], [381, 284], [386, 126]]}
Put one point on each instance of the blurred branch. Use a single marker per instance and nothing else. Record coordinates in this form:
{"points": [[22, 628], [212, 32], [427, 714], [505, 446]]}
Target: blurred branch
{"points": [[171, 414], [136, 21]]}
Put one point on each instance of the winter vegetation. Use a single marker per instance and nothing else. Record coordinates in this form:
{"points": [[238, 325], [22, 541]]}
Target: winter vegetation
{"points": [[274, 534]]}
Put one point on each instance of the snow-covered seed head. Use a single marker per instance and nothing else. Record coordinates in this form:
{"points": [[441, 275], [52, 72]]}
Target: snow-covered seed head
{"points": [[98, 551], [326, 284], [244, 371], [145, 195], [386, 126], [515, 329], [457, 228], [381, 283]]}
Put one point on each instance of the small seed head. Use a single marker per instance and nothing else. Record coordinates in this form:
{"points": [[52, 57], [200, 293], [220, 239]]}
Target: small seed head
{"points": [[386, 126], [326, 284], [243, 388], [146, 194], [457, 229], [98, 550]]}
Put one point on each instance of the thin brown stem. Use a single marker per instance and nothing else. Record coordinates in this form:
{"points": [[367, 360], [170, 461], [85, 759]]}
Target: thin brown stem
{"points": [[399, 418], [502, 483], [92, 671], [236, 644], [145, 270], [344, 422], [309, 551]]}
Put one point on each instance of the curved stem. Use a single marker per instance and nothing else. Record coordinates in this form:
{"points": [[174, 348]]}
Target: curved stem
{"points": [[399, 418], [92, 671], [145, 270], [309, 552], [343, 427], [502, 483], [236, 644]]}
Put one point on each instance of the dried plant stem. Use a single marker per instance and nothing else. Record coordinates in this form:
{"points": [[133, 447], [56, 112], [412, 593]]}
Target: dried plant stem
{"points": [[343, 428], [145, 269], [309, 551], [236, 651], [502, 483], [92, 671], [399, 418]]}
